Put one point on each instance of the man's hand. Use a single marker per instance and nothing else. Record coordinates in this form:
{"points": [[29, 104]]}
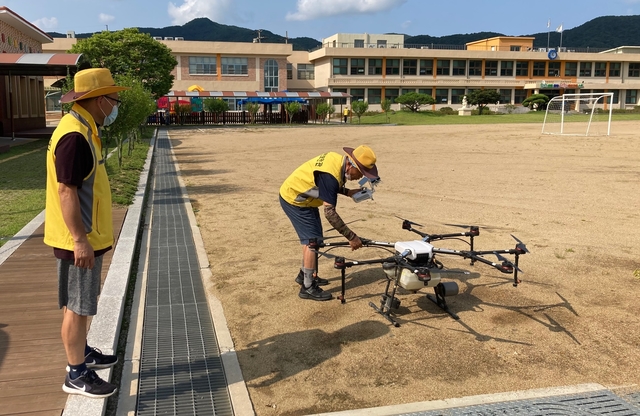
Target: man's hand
{"points": [[83, 254], [355, 243], [352, 192]]}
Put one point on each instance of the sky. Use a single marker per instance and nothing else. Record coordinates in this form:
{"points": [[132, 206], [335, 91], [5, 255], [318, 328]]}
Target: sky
{"points": [[322, 18]]}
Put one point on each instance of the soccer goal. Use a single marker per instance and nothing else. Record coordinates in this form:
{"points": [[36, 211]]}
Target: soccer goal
{"points": [[586, 114]]}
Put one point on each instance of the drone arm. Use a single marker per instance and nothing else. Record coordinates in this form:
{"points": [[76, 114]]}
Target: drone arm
{"points": [[504, 267]]}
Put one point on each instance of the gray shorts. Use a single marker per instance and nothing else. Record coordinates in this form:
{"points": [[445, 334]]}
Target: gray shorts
{"points": [[306, 221], [78, 289]]}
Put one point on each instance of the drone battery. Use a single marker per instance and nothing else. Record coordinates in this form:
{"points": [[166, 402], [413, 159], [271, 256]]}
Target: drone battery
{"points": [[419, 250]]}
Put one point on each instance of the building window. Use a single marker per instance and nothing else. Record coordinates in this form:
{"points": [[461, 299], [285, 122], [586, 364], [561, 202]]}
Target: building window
{"points": [[616, 96], [634, 70], [340, 66], [234, 66], [505, 96], [393, 67], [522, 68], [271, 75], [289, 71], [375, 95], [459, 67], [554, 69], [506, 68], [519, 96], [631, 97], [442, 96], [358, 43], [570, 69], [475, 68], [391, 94], [426, 66], [375, 66], [357, 66], [585, 69], [614, 69], [600, 69], [409, 67], [407, 90], [491, 68], [456, 95], [306, 71], [202, 65], [539, 69], [340, 101], [427, 91], [514, 48], [443, 67], [357, 94]]}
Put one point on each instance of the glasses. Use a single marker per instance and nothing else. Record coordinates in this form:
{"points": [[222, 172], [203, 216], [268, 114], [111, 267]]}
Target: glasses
{"points": [[113, 99]]}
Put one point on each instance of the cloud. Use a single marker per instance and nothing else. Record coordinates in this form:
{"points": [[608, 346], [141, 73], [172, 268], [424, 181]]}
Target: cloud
{"points": [[406, 24], [106, 18], [313, 9], [46, 23], [215, 10]]}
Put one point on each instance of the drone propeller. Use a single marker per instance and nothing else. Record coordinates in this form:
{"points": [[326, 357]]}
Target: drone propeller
{"points": [[506, 260], [409, 222], [520, 244]]}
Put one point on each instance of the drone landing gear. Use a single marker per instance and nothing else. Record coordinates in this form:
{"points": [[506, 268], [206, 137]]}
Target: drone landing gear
{"points": [[442, 290], [388, 302]]}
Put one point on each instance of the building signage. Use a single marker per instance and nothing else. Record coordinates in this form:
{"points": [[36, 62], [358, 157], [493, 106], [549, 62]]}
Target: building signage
{"points": [[564, 85]]}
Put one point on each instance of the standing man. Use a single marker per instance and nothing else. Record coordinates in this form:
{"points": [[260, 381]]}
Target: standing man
{"points": [[345, 113], [316, 183], [78, 222]]}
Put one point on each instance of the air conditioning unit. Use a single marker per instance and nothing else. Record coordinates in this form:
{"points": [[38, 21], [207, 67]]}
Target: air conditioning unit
{"points": [[157, 37], [168, 38], [371, 45], [179, 38]]}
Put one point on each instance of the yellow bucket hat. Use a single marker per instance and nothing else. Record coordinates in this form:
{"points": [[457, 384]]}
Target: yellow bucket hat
{"points": [[365, 159], [90, 83]]}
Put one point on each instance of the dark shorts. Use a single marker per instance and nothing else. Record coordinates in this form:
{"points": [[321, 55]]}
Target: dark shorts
{"points": [[306, 221], [78, 289]]}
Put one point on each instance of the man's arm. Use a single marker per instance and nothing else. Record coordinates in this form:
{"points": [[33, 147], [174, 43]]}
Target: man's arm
{"points": [[335, 220], [70, 205]]}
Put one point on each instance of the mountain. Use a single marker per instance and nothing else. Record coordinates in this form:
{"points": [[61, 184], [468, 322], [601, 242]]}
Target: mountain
{"points": [[600, 33]]}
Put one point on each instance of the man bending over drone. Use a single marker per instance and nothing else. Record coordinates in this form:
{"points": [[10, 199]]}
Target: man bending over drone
{"points": [[318, 182]]}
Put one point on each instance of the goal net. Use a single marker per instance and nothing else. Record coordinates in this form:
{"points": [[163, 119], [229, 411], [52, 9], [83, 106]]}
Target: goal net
{"points": [[586, 114]]}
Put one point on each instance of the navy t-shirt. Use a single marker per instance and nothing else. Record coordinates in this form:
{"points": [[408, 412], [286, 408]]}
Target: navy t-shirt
{"points": [[328, 187]]}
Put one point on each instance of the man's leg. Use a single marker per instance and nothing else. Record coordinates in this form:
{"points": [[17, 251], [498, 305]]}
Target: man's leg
{"points": [[74, 336]]}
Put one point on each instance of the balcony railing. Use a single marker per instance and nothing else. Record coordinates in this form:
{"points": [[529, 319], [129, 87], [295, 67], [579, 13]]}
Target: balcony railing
{"points": [[436, 46]]}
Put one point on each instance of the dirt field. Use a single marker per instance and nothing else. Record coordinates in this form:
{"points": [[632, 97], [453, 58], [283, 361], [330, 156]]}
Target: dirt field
{"points": [[574, 201]]}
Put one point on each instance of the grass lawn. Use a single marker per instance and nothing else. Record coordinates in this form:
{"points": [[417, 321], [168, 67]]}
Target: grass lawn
{"points": [[407, 118], [23, 180]]}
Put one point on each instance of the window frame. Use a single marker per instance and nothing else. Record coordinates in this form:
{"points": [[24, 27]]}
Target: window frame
{"points": [[356, 65], [239, 64], [340, 66], [212, 62]]}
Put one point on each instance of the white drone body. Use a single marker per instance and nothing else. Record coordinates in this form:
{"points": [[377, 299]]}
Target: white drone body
{"points": [[419, 252]]}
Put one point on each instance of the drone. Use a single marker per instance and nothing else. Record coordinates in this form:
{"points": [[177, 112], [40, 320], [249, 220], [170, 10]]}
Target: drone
{"points": [[414, 265]]}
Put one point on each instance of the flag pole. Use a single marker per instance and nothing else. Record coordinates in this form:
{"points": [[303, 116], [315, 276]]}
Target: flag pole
{"points": [[548, 33], [562, 26]]}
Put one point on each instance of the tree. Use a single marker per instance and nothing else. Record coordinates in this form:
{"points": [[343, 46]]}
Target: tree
{"points": [[359, 108], [536, 101], [129, 52], [325, 109], [216, 106], [182, 110], [482, 98], [292, 108], [136, 104], [413, 100], [253, 109], [386, 107]]}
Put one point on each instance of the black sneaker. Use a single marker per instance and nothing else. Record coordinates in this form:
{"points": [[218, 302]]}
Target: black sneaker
{"points": [[319, 281], [89, 384], [314, 293], [96, 359]]}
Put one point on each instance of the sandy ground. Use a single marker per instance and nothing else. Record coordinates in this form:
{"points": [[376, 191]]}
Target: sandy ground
{"points": [[573, 200]]}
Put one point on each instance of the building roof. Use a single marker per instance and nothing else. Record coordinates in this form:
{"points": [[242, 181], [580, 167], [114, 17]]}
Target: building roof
{"points": [[12, 19], [245, 94], [38, 63]]}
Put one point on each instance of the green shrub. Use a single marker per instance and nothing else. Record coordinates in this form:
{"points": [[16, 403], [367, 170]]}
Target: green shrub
{"points": [[448, 111]]}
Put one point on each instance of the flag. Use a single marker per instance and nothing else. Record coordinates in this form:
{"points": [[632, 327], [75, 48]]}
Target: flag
{"points": [[548, 23], [559, 29]]}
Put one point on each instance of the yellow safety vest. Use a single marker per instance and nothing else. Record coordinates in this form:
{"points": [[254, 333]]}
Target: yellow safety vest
{"points": [[299, 188], [95, 194]]}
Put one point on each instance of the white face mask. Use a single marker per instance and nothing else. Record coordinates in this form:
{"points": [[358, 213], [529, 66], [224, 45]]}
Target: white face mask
{"points": [[109, 119]]}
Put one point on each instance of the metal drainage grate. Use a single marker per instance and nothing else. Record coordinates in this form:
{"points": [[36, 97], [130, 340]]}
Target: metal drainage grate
{"points": [[181, 371], [601, 402]]}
